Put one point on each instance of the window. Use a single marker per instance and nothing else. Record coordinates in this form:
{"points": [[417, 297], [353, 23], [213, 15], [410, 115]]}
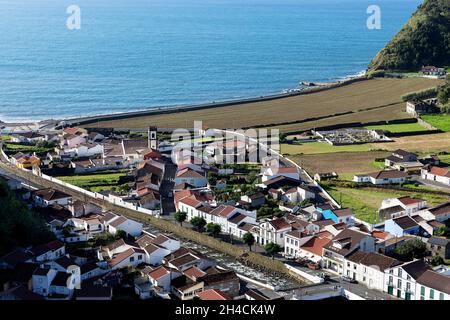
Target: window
{"points": [[400, 272], [431, 294], [131, 259], [441, 296], [391, 271], [408, 286], [140, 257], [399, 283], [408, 277], [422, 291], [348, 264]]}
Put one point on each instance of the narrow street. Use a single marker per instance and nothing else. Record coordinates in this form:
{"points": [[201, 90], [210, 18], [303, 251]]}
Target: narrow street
{"points": [[166, 190]]}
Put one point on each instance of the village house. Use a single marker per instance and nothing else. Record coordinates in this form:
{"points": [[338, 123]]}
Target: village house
{"points": [[369, 268], [418, 107], [47, 197], [27, 137], [273, 230], [336, 215], [433, 71], [130, 227], [95, 137], [162, 277], [439, 246], [343, 244], [213, 294], [49, 282], [382, 177], [403, 161], [396, 207], [323, 176], [25, 161], [438, 174], [269, 173], [401, 226], [439, 213], [253, 200], [197, 179], [415, 281], [80, 208]]}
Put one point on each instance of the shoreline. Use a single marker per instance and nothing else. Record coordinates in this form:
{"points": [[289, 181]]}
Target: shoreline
{"points": [[190, 107]]}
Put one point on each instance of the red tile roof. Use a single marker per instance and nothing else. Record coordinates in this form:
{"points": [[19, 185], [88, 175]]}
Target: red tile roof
{"points": [[408, 200], [445, 172], [194, 272], [158, 273], [213, 294], [315, 245], [280, 224]]}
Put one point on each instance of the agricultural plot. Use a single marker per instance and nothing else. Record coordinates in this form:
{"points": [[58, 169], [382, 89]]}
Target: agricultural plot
{"points": [[95, 182], [399, 128], [440, 121]]}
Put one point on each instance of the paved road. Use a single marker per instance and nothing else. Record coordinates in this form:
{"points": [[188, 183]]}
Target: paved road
{"points": [[166, 190]]}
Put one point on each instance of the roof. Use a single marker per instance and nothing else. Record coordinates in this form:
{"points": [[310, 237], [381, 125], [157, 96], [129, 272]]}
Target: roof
{"points": [[280, 181], [402, 153], [237, 218], [343, 212], [191, 201], [390, 210], [188, 173], [160, 239], [15, 257], [441, 209], [444, 172], [144, 240], [194, 272], [213, 294], [388, 174], [50, 194], [371, 259], [223, 210], [409, 201], [435, 280], [315, 245], [348, 239], [117, 222], [380, 234], [185, 259], [118, 258], [158, 273], [65, 262], [439, 241], [20, 292], [280, 224], [116, 244], [224, 276], [405, 222]]}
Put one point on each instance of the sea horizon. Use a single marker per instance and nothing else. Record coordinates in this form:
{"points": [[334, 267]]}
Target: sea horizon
{"points": [[230, 54]]}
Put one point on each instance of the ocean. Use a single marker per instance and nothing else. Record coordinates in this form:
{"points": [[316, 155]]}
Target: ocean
{"points": [[131, 55]]}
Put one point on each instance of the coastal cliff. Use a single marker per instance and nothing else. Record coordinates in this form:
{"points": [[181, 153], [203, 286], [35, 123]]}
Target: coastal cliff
{"points": [[423, 40]]}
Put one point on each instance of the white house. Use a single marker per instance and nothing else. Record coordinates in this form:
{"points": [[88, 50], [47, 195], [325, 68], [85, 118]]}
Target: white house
{"points": [[415, 281], [47, 197], [369, 268], [130, 227], [192, 177], [162, 277], [48, 252], [438, 174], [439, 213], [297, 194], [382, 177], [131, 257], [272, 172], [406, 205], [273, 231]]}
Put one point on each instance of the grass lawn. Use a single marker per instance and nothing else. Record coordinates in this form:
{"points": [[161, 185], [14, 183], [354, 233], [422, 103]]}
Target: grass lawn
{"points": [[321, 147], [440, 121], [5, 137], [94, 182], [445, 158], [398, 128], [377, 164], [365, 202]]}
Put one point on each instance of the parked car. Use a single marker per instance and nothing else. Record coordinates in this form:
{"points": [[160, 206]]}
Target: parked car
{"points": [[349, 280]]}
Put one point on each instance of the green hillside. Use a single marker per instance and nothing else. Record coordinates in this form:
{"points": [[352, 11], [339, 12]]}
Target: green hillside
{"points": [[423, 40]]}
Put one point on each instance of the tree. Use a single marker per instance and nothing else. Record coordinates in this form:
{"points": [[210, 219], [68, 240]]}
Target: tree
{"points": [[437, 261], [249, 240], [213, 229], [198, 223], [272, 249], [180, 217], [411, 249]]}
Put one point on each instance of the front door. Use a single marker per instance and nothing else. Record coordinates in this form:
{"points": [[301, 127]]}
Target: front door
{"points": [[408, 296], [399, 293], [391, 290]]}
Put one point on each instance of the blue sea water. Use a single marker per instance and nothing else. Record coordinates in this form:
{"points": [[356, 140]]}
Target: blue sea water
{"points": [[134, 54]]}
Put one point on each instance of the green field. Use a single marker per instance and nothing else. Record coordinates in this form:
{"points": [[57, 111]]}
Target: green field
{"points": [[440, 121], [399, 128], [322, 147], [365, 202], [11, 148], [94, 182], [445, 158]]}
